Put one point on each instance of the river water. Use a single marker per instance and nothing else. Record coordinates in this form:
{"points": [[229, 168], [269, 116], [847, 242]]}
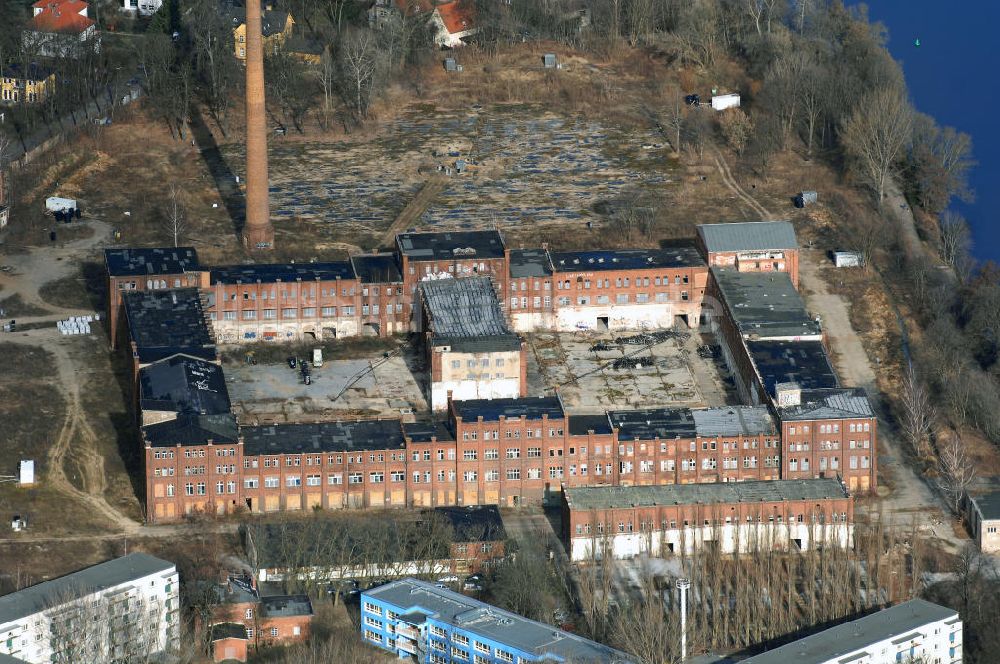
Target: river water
{"points": [[952, 76]]}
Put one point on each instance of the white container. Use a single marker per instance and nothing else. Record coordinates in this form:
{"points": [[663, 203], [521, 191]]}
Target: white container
{"points": [[57, 204], [722, 102]]}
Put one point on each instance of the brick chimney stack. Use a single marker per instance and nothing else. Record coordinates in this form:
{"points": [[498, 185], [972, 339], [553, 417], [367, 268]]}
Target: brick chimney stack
{"points": [[258, 234]]}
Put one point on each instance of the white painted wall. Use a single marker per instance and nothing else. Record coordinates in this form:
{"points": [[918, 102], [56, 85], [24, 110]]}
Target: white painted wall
{"points": [[620, 316], [496, 388], [29, 636], [730, 537]]}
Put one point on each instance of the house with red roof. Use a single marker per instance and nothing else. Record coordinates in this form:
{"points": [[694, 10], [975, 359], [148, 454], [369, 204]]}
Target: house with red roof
{"points": [[61, 28], [451, 21], [454, 22]]}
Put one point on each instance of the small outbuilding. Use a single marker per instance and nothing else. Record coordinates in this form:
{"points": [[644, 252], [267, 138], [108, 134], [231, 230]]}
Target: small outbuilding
{"points": [[847, 259], [549, 61], [722, 102]]}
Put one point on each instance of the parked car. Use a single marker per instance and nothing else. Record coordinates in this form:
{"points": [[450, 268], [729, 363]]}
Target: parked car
{"points": [[474, 582]]}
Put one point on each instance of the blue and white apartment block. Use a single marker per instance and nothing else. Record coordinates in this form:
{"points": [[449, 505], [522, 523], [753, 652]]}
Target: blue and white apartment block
{"points": [[415, 619]]}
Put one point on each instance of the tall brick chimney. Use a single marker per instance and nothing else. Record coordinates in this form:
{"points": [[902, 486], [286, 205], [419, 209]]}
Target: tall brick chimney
{"points": [[258, 234]]}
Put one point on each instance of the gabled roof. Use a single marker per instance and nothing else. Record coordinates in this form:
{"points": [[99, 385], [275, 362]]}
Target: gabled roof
{"points": [[183, 384], [61, 16], [192, 430], [457, 16], [748, 236], [465, 310], [35, 72], [271, 22], [829, 404], [474, 523]]}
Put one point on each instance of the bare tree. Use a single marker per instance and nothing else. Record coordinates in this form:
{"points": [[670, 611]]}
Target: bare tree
{"points": [[917, 416], [876, 134], [361, 67], [955, 237], [736, 128], [176, 220], [957, 470]]}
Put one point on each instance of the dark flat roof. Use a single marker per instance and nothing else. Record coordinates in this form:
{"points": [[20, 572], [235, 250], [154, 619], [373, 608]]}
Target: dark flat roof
{"points": [[474, 523], [581, 425], [377, 268], [764, 303], [529, 263], [183, 384], [283, 606], [491, 410], [422, 432], [662, 423], [43, 596], [322, 437], [802, 362], [166, 322], [748, 236], [190, 429], [627, 259], [140, 261], [754, 491], [285, 272], [451, 245]]}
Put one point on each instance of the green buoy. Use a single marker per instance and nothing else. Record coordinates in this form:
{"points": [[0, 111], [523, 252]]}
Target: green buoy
{"points": [[916, 42]]}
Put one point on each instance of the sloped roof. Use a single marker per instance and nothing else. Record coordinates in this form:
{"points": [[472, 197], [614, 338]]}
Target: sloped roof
{"points": [[457, 16], [184, 384], [96, 578], [61, 16], [748, 236], [733, 421], [192, 430], [829, 404], [35, 72], [842, 643]]}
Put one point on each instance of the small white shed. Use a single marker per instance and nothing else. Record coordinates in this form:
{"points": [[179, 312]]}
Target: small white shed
{"points": [[57, 204], [847, 259], [722, 102], [26, 472]]}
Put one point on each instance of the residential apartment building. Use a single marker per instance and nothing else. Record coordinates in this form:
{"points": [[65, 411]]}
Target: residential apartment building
{"points": [[32, 84], [914, 631], [60, 29], [471, 351], [276, 27], [120, 610], [411, 618], [757, 246], [622, 522]]}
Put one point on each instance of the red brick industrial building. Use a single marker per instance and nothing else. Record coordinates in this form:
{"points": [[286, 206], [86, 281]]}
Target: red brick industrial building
{"points": [[506, 451]]}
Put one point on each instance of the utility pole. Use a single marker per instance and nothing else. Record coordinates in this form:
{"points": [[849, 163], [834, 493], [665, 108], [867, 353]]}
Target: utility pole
{"points": [[682, 586]]}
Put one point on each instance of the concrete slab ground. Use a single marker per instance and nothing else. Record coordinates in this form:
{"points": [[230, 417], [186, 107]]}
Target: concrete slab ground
{"points": [[367, 387], [588, 382]]}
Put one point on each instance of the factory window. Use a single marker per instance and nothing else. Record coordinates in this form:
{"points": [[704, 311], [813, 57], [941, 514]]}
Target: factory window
{"points": [[249, 314], [228, 315], [621, 298], [309, 312], [289, 313], [329, 311]]}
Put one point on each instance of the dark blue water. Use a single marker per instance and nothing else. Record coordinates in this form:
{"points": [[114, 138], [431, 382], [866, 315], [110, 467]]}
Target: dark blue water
{"points": [[952, 77]]}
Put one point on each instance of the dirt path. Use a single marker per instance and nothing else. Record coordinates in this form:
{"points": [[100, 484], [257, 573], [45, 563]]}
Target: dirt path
{"points": [[730, 181], [40, 265], [434, 185], [75, 446], [910, 496]]}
